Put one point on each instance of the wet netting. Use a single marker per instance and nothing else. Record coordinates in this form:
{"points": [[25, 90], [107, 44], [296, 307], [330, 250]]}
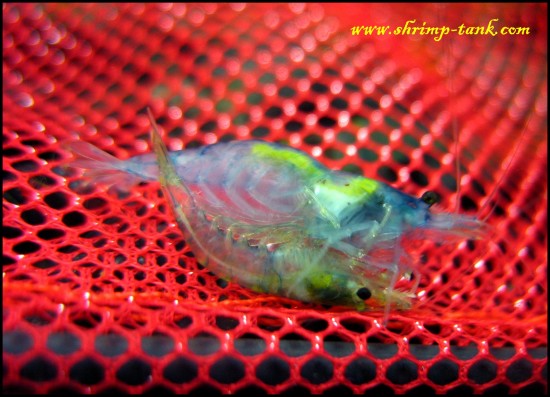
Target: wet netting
{"points": [[101, 292]]}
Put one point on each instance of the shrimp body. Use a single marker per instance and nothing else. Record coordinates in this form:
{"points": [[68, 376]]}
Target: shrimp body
{"points": [[275, 220]]}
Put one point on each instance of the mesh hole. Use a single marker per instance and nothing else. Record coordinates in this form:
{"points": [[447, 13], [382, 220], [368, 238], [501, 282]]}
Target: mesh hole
{"points": [[387, 173], [380, 138], [12, 152], [41, 181], [26, 166], [86, 319], [519, 371], [273, 371], [74, 219], [402, 372], [327, 122], [39, 369], [111, 344], [250, 344], [319, 88], [134, 372], [306, 107], [482, 371], [313, 139], [180, 370], [400, 157], [33, 217], [467, 204], [227, 370], [274, 112], [360, 371], [17, 196], [87, 372], [204, 344], [260, 132], [313, 324], [355, 325], [270, 323], [8, 176], [333, 154], [11, 232], [431, 161], [44, 264], [317, 370], [338, 345], [226, 323], [423, 352], [158, 344], [294, 345], [339, 103], [443, 372], [346, 137], [40, 318], [26, 247], [419, 178], [17, 342], [501, 352], [287, 92], [294, 126], [381, 350]]}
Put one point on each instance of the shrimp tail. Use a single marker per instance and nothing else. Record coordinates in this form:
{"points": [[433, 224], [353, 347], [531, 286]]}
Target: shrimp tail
{"points": [[101, 167], [173, 187], [183, 204]]}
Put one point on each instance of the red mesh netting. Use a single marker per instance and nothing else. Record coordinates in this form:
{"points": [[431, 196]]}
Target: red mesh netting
{"points": [[101, 292]]}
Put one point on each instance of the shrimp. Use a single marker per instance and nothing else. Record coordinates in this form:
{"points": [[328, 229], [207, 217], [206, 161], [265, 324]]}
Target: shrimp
{"points": [[274, 220]]}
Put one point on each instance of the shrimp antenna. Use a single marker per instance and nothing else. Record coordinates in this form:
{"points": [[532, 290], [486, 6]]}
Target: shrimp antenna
{"points": [[506, 170], [450, 102], [454, 122], [152, 120]]}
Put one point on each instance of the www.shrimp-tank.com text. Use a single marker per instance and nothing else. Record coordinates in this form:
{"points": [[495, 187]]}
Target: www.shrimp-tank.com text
{"points": [[414, 27]]}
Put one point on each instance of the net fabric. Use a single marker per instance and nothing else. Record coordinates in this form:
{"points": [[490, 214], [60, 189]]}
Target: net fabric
{"points": [[100, 291]]}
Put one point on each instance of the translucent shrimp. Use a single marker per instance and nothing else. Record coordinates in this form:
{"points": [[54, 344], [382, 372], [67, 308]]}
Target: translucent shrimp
{"points": [[276, 221]]}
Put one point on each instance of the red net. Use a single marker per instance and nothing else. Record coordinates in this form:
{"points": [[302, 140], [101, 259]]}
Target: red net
{"points": [[100, 291]]}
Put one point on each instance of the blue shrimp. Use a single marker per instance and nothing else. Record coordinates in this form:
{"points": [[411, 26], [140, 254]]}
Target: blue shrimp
{"points": [[276, 221]]}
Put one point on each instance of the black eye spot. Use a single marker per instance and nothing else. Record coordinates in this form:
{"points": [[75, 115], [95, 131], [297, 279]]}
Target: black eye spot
{"points": [[364, 293], [430, 197]]}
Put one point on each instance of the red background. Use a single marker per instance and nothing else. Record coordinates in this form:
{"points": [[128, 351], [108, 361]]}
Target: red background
{"points": [[100, 292]]}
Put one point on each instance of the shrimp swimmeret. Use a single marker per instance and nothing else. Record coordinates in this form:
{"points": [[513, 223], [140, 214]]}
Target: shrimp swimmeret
{"points": [[276, 221]]}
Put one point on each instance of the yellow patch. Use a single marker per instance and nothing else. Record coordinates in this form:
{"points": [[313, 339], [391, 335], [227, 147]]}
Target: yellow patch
{"points": [[320, 281], [357, 187], [299, 160], [334, 198]]}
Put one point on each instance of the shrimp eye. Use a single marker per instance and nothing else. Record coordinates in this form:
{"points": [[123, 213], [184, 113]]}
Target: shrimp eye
{"points": [[430, 197], [363, 293]]}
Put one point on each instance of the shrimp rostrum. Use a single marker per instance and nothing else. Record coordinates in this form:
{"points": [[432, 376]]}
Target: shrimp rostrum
{"points": [[276, 221]]}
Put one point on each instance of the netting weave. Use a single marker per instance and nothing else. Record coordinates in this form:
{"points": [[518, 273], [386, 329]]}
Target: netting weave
{"points": [[101, 292]]}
